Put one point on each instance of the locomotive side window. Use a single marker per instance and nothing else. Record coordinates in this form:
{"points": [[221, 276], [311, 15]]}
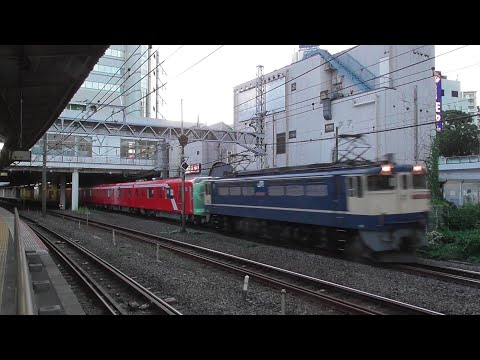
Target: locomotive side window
{"points": [[150, 193], [223, 190], [248, 190], [276, 190], [235, 190], [294, 190], [419, 181], [316, 190], [381, 182]]}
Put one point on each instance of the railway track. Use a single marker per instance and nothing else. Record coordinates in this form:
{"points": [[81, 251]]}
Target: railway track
{"points": [[342, 298], [450, 274], [112, 288]]}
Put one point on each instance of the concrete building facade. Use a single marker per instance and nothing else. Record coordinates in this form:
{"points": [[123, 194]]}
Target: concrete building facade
{"points": [[386, 92], [122, 79]]}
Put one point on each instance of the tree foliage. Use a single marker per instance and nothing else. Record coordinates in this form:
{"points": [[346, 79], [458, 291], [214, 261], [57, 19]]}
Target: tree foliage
{"points": [[431, 164], [460, 137]]}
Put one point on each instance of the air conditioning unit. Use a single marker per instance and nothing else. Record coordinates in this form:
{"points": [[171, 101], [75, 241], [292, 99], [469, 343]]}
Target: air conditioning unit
{"points": [[337, 80]]}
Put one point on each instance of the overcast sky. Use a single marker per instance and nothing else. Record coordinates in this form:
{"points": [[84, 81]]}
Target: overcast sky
{"points": [[207, 88]]}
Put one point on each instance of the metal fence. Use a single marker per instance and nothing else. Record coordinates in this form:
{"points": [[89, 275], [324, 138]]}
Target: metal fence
{"points": [[24, 291]]}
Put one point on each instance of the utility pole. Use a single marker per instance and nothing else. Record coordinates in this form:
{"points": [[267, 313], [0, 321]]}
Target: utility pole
{"points": [[415, 121], [274, 153], [44, 176], [336, 144], [183, 140]]}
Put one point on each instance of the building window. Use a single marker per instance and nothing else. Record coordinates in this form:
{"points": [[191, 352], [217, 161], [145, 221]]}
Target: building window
{"points": [[454, 93], [292, 134], [137, 149], [281, 143], [443, 92], [77, 107], [294, 86]]}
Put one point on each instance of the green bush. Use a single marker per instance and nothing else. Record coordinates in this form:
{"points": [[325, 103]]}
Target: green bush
{"points": [[462, 218], [454, 245]]}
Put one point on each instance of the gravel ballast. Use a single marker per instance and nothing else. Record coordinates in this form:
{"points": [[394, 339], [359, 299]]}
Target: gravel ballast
{"points": [[191, 287], [198, 287]]}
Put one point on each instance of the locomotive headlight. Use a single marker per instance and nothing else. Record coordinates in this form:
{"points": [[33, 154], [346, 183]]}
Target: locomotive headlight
{"points": [[417, 168], [386, 170]]}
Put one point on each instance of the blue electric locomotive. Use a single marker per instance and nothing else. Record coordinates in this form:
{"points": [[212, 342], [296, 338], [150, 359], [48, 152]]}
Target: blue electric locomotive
{"points": [[375, 210]]}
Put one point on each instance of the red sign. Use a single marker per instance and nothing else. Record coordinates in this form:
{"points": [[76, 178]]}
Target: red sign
{"points": [[193, 169]]}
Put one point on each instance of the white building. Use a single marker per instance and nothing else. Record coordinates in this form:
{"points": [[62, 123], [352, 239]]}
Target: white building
{"points": [[371, 89], [452, 98], [471, 100]]}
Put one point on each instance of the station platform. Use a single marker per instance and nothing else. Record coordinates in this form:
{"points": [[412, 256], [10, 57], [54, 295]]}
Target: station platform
{"points": [[49, 292]]}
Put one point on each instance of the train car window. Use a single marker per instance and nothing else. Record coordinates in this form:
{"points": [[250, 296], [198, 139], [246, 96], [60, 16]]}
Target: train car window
{"points": [[419, 181], [109, 192], [150, 193], [404, 182], [169, 193], [235, 190], [359, 186], [381, 182], [276, 191], [117, 193], [316, 190], [294, 190]]}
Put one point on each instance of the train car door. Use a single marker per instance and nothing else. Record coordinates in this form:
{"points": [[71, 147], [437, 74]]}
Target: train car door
{"points": [[208, 193]]}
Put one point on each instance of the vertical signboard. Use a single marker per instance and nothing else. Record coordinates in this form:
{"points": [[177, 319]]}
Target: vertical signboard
{"points": [[438, 101]]}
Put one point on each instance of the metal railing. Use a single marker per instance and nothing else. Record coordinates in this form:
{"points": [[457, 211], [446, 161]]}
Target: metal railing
{"points": [[459, 159], [24, 291]]}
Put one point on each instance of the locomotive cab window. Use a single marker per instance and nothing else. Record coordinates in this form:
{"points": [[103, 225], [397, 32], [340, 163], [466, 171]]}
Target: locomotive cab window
{"points": [[169, 193], [381, 182], [419, 181]]}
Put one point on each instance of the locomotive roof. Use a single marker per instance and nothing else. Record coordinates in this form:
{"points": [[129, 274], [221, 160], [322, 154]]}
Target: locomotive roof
{"points": [[138, 184], [375, 169]]}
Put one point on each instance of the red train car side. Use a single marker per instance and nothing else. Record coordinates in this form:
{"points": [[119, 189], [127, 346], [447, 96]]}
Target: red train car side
{"points": [[159, 197]]}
